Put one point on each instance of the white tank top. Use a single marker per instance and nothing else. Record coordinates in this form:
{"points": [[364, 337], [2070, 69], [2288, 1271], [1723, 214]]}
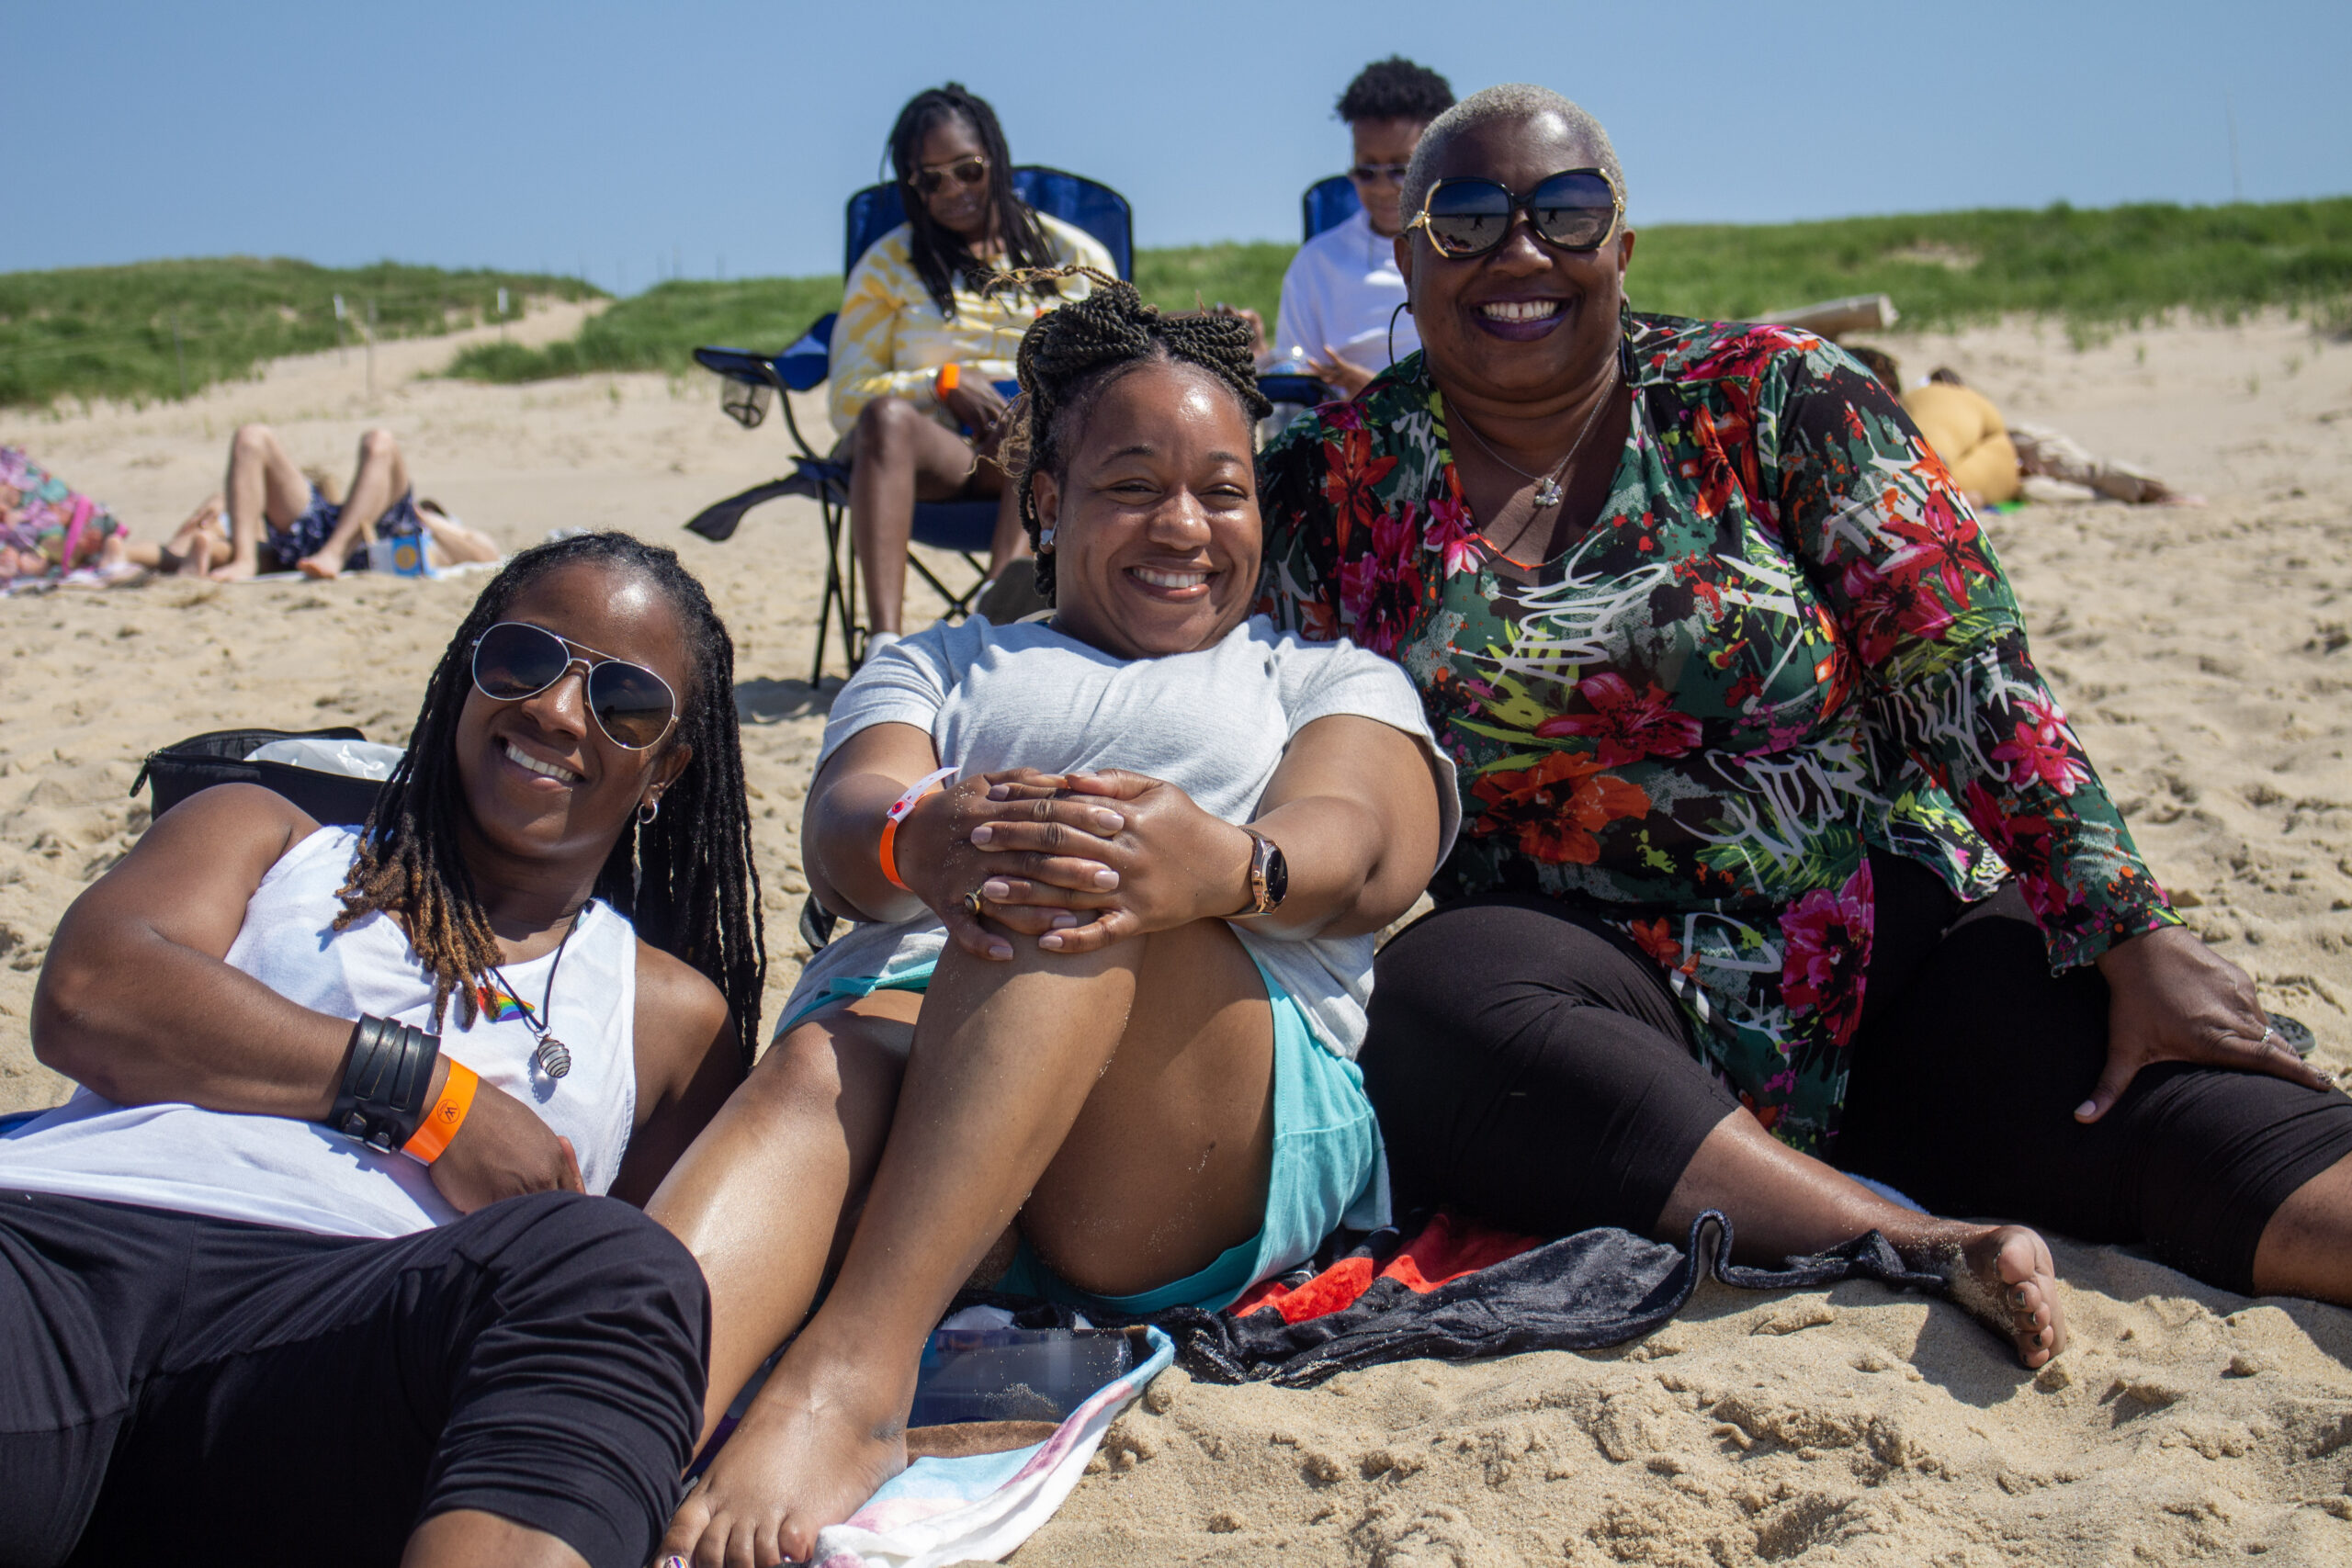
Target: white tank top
{"points": [[274, 1170]]}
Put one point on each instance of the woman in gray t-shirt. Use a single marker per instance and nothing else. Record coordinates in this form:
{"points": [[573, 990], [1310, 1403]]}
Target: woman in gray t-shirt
{"points": [[1089, 1034]]}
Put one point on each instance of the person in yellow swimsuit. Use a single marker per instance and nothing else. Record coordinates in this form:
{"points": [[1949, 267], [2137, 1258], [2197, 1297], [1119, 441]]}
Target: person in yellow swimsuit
{"points": [[919, 347]]}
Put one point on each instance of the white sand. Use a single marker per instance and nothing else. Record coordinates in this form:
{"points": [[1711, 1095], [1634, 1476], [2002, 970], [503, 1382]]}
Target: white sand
{"points": [[2205, 654]]}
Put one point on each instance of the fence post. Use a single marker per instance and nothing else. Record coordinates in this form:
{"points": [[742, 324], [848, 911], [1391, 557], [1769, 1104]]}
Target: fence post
{"points": [[340, 357], [179, 355], [371, 348]]}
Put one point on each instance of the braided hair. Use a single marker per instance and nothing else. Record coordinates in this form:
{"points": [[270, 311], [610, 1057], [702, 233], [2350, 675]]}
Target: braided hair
{"points": [[685, 880], [940, 257], [1073, 352]]}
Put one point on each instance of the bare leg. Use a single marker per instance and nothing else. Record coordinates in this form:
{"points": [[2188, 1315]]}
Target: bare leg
{"points": [[1783, 1205], [467, 1538], [903, 457], [1079, 1092], [381, 479], [2306, 1249], [264, 490], [452, 540]]}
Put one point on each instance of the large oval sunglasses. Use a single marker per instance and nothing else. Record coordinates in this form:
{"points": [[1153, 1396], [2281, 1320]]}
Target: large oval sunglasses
{"points": [[633, 705], [1576, 210]]}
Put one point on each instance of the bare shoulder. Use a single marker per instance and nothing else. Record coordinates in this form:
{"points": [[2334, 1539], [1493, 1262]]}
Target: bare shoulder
{"points": [[230, 827], [679, 1012]]}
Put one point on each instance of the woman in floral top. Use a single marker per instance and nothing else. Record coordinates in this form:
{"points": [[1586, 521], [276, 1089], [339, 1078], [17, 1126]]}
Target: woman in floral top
{"points": [[1775, 844]]}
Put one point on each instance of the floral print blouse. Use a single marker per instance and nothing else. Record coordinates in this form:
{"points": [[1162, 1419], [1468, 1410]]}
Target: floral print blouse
{"points": [[1783, 642]]}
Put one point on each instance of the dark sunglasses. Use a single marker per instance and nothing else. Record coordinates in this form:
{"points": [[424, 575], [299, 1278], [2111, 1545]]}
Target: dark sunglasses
{"points": [[1576, 210], [633, 705], [968, 171], [1386, 174]]}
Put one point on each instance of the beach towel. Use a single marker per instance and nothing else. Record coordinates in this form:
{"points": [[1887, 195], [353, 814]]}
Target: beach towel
{"points": [[943, 1511], [39, 514], [1458, 1292]]}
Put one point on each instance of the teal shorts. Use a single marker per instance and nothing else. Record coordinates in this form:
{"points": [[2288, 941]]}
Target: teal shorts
{"points": [[1330, 1165]]}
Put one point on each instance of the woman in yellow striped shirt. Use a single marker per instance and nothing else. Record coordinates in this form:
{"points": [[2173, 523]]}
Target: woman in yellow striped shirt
{"points": [[917, 351]]}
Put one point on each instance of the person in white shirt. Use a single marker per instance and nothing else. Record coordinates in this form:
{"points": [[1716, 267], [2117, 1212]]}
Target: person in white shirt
{"points": [[276, 1287], [1342, 291], [1091, 1036]]}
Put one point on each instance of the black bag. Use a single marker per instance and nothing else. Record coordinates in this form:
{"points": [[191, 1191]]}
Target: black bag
{"points": [[202, 760]]}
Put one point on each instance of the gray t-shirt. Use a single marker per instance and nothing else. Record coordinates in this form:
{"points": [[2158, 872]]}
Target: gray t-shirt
{"points": [[1214, 723]]}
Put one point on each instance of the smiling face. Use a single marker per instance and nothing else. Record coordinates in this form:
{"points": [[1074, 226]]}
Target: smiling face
{"points": [[962, 209], [1154, 517], [542, 780], [1526, 320]]}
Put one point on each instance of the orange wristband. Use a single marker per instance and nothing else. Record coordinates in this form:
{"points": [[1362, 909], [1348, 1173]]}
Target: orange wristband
{"points": [[950, 377], [449, 1114]]}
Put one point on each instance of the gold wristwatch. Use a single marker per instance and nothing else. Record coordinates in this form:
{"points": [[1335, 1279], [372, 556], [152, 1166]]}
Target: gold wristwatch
{"points": [[1269, 876]]}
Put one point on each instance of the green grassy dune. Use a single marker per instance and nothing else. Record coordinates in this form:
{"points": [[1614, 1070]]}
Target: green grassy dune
{"points": [[159, 330], [108, 331]]}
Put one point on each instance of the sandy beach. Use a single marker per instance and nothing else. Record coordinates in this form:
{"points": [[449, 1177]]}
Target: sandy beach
{"points": [[2205, 654]]}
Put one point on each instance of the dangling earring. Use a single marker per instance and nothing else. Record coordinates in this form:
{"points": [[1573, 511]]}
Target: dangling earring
{"points": [[1044, 540], [647, 812], [1401, 308]]}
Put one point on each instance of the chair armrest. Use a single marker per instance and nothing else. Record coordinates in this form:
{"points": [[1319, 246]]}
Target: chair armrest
{"points": [[804, 367]]}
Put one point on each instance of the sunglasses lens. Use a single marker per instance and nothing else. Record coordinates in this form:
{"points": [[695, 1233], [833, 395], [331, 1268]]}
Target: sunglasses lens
{"points": [[970, 172], [630, 702], [513, 660], [1468, 215], [1574, 211]]}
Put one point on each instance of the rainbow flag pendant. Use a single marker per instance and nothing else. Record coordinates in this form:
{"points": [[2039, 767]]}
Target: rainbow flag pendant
{"points": [[499, 1007]]}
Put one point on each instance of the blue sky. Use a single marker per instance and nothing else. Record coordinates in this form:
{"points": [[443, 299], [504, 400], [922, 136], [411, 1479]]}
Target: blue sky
{"points": [[691, 136]]}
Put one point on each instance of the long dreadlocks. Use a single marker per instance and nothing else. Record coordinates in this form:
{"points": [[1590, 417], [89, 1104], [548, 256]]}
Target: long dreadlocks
{"points": [[684, 880], [1072, 351], [939, 256]]}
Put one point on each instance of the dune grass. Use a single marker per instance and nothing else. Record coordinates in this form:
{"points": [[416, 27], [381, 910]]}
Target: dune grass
{"points": [[2093, 270], [657, 329], [159, 330], [106, 331]]}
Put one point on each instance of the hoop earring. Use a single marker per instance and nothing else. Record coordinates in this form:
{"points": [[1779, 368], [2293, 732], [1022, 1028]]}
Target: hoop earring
{"points": [[648, 811], [1402, 307]]}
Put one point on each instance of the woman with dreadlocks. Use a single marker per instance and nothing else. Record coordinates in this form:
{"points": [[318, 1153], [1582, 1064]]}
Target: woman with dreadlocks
{"points": [[280, 1286], [921, 342], [1117, 879]]}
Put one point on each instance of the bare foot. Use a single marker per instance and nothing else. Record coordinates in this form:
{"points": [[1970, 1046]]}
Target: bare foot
{"points": [[318, 566], [236, 571], [814, 1446], [2002, 1277]]}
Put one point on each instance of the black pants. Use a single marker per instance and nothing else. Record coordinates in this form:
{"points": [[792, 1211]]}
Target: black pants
{"points": [[175, 1389], [1531, 1069]]}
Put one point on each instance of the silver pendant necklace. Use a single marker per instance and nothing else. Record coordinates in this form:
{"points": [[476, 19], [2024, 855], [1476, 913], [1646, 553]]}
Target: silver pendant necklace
{"points": [[554, 1058], [1547, 484]]}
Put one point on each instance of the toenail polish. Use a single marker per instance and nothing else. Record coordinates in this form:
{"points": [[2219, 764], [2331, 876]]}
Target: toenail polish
{"points": [[983, 833]]}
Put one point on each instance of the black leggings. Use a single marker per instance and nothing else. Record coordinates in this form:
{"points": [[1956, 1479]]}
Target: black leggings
{"points": [[1531, 1069], [185, 1390]]}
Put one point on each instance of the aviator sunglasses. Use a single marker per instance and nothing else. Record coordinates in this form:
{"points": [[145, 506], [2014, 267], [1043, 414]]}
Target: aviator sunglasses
{"points": [[969, 170], [633, 705], [1574, 210]]}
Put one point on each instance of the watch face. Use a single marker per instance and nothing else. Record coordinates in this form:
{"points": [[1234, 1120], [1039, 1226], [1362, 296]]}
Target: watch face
{"points": [[1277, 875]]}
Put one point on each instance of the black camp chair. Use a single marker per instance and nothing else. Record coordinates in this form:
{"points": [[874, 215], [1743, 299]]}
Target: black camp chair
{"points": [[752, 380], [1326, 201]]}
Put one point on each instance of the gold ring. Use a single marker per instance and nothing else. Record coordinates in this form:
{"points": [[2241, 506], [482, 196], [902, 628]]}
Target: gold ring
{"points": [[972, 903]]}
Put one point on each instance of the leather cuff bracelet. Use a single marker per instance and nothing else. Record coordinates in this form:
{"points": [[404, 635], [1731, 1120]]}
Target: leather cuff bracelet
{"points": [[386, 1081]]}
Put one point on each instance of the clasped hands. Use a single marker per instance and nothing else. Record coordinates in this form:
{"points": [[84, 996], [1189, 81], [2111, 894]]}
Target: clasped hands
{"points": [[1074, 862]]}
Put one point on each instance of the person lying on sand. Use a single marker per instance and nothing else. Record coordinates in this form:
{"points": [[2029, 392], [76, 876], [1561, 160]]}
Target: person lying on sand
{"points": [[358, 1266], [1110, 975], [1991, 457], [280, 518], [201, 542], [1778, 848]]}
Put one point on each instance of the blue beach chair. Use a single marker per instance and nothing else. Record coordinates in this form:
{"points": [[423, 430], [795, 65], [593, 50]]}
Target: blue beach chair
{"points": [[962, 525]]}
